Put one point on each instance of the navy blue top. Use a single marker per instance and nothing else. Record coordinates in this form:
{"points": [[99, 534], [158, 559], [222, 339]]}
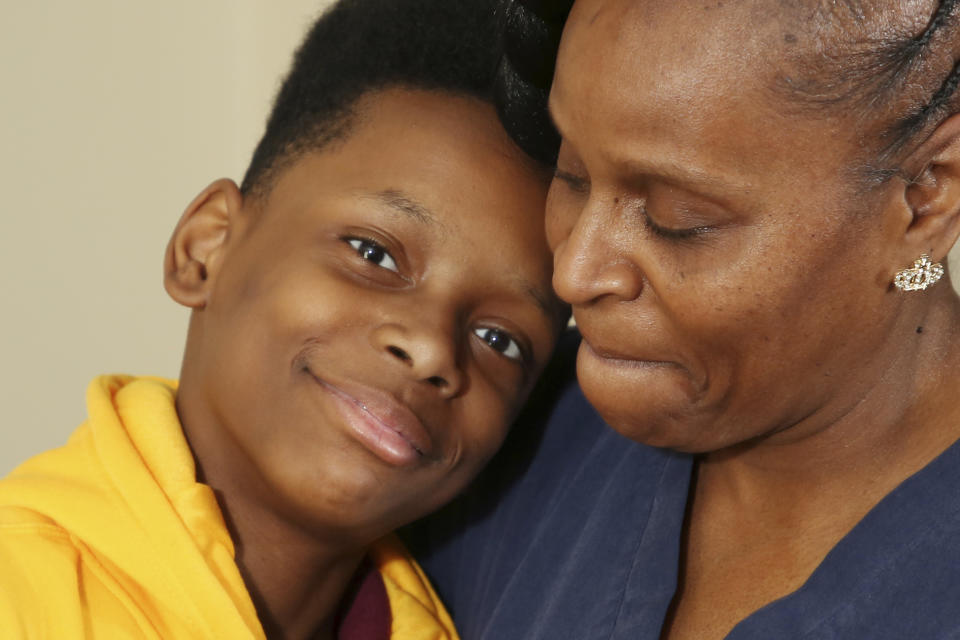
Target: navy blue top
{"points": [[574, 532]]}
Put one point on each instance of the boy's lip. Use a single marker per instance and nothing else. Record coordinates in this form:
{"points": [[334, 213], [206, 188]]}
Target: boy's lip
{"points": [[386, 426]]}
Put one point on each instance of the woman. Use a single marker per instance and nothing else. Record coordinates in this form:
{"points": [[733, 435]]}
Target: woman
{"points": [[751, 203]]}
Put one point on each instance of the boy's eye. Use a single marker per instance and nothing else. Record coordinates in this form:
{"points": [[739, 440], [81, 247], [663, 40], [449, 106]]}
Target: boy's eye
{"points": [[500, 341], [373, 252]]}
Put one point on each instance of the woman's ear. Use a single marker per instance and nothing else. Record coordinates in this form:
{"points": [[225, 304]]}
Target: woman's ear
{"points": [[933, 196], [195, 250]]}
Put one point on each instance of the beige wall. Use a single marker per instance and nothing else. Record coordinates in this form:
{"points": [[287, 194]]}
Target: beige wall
{"points": [[112, 116]]}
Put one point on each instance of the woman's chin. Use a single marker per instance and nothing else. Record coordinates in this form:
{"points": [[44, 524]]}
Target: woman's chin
{"points": [[647, 401], [665, 432]]}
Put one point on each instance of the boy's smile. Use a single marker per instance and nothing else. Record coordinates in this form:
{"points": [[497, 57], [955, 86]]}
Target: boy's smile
{"points": [[367, 330], [383, 424]]}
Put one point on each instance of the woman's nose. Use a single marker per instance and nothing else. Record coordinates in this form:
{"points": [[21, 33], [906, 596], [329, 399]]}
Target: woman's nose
{"points": [[590, 260], [427, 351]]}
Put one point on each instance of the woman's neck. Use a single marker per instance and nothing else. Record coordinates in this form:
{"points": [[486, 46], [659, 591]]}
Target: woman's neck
{"points": [[853, 453], [763, 516]]}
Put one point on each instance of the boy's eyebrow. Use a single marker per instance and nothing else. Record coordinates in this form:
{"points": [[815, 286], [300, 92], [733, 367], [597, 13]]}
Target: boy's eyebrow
{"points": [[540, 297], [402, 203], [398, 201]]}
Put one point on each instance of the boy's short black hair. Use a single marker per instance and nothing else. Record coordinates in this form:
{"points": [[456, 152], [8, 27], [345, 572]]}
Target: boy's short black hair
{"points": [[360, 46], [532, 36]]}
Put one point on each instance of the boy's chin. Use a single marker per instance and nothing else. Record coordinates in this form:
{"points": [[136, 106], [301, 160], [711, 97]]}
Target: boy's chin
{"points": [[354, 501]]}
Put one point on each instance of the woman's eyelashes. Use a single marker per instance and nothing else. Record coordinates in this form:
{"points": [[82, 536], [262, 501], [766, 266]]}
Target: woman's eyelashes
{"points": [[581, 186], [501, 342], [372, 251], [671, 233], [577, 184]]}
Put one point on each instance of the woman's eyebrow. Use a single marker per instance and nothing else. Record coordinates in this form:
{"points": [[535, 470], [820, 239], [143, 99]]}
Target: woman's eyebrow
{"points": [[682, 174]]}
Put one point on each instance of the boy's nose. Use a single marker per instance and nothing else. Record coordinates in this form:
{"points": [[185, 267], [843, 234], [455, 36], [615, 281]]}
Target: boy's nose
{"points": [[428, 353]]}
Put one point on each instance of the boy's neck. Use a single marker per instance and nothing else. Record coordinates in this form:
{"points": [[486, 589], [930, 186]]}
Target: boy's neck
{"points": [[296, 582], [296, 577]]}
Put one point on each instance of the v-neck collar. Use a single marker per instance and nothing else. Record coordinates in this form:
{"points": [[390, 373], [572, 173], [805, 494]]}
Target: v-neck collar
{"points": [[904, 522], [910, 520]]}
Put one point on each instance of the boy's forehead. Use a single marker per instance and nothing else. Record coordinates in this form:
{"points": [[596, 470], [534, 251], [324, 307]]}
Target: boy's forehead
{"points": [[411, 137], [442, 164]]}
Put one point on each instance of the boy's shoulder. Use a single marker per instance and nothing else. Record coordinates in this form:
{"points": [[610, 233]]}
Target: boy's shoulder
{"points": [[41, 568]]}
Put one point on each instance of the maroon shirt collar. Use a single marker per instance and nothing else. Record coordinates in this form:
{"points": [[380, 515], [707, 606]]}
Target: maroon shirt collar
{"points": [[365, 612]]}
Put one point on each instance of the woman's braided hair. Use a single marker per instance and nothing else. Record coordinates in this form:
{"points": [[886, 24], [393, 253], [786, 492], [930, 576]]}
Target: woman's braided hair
{"points": [[532, 35], [891, 66], [909, 55], [897, 63]]}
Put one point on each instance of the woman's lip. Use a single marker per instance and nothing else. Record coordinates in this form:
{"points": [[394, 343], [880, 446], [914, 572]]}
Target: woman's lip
{"points": [[387, 427], [617, 362], [615, 357]]}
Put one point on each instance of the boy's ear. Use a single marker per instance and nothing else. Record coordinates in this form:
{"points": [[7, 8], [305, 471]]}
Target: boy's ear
{"points": [[933, 196], [195, 249]]}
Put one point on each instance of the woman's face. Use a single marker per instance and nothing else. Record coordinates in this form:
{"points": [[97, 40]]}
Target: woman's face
{"points": [[729, 274]]}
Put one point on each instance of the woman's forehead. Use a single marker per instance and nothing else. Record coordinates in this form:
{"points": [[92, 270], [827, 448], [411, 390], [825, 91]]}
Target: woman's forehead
{"points": [[758, 31], [664, 74], [669, 50], [637, 95], [688, 68]]}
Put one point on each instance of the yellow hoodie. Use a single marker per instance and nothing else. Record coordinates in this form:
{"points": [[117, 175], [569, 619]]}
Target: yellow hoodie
{"points": [[111, 536]]}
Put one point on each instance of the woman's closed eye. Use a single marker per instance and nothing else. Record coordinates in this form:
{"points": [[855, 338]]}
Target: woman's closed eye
{"points": [[576, 183], [373, 252], [671, 233], [501, 342]]}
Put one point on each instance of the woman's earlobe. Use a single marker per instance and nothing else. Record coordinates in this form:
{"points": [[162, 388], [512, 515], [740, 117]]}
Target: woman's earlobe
{"points": [[195, 250]]}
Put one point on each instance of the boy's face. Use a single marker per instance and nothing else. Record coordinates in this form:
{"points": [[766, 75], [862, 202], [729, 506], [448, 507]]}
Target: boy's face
{"points": [[368, 331]]}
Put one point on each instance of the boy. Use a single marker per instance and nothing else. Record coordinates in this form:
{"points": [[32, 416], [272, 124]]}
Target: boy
{"points": [[370, 309]]}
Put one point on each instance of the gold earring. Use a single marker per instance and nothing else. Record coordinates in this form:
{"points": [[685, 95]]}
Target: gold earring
{"points": [[921, 275]]}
